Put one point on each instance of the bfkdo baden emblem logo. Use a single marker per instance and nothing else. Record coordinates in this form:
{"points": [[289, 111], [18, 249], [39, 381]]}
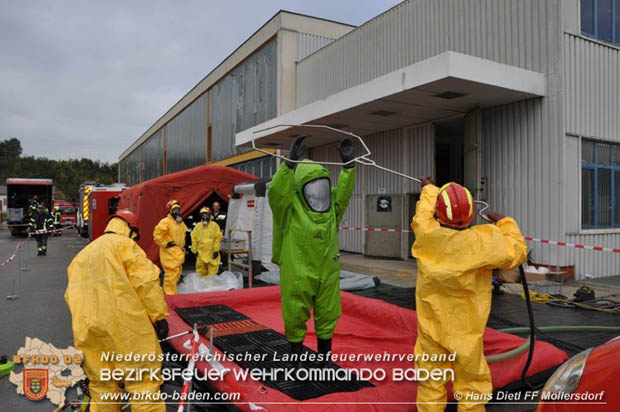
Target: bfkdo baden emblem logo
{"points": [[35, 383]]}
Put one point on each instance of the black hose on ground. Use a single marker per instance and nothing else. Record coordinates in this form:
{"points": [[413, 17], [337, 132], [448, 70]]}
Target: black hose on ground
{"points": [[532, 338]]}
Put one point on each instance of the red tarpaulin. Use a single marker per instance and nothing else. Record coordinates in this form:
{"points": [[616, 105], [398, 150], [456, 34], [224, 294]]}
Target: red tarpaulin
{"points": [[190, 187], [367, 326]]}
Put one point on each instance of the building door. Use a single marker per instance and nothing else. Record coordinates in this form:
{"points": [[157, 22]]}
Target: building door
{"points": [[449, 151]]}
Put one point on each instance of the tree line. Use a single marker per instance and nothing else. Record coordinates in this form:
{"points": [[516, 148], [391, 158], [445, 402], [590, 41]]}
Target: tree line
{"points": [[66, 174]]}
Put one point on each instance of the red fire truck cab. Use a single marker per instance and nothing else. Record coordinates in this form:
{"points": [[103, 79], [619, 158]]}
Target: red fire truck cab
{"points": [[103, 202], [68, 212]]}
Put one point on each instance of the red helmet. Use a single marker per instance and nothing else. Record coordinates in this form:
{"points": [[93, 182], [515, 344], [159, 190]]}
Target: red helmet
{"points": [[172, 204], [131, 219], [455, 206]]}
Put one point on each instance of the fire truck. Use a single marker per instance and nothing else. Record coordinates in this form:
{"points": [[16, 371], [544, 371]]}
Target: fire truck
{"points": [[103, 203], [23, 195], [83, 212]]}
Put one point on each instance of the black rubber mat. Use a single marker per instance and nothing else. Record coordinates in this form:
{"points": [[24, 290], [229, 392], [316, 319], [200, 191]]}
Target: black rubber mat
{"points": [[272, 345], [403, 297], [269, 342], [210, 315]]}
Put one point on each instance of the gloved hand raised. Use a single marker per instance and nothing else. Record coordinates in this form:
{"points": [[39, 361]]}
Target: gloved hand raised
{"points": [[494, 216], [170, 244], [161, 327], [216, 255], [298, 149], [347, 152], [426, 181]]}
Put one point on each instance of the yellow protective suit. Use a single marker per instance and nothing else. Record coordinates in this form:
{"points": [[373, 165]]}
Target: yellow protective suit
{"points": [[114, 297], [453, 298], [206, 240], [168, 230]]}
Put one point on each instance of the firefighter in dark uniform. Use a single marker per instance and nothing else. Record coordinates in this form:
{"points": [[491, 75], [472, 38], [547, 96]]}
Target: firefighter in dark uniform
{"points": [[57, 221], [33, 206], [219, 217], [41, 221]]}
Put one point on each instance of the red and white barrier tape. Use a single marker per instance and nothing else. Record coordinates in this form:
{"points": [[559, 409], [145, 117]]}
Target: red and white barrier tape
{"points": [[6, 262], [528, 238], [375, 229], [573, 245], [42, 232], [19, 244]]}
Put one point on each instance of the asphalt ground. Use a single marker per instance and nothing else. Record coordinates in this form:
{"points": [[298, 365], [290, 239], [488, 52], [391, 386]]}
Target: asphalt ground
{"points": [[40, 311]]}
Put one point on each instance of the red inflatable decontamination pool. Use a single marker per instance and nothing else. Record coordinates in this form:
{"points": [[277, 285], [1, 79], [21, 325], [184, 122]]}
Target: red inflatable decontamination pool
{"points": [[367, 326]]}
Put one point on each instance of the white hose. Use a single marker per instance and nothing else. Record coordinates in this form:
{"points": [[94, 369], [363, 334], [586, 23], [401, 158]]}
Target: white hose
{"points": [[362, 159]]}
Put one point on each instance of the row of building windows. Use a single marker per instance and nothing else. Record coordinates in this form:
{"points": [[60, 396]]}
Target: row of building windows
{"points": [[600, 185], [600, 19]]}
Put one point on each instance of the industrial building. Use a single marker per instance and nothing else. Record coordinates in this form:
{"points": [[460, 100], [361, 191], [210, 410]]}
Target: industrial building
{"points": [[255, 83], [518, 100]]}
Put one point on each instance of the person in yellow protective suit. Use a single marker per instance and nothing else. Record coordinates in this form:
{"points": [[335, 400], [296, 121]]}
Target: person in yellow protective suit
{"points": [[169, 234], [206, 239], [114, 297], [453, 289]]}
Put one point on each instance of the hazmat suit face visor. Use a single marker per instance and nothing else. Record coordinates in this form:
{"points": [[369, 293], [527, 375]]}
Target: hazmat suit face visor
{"points": [[318, 194], [205, 218], [134, 234], [176, 214]]}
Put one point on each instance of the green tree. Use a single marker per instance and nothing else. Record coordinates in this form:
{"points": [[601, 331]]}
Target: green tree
{"points": [[11, 148], [66, 174]]}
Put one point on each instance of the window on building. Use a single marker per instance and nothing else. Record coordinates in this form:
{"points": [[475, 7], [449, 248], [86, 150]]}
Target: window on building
{"points": [[600, 19], [600, 185]]}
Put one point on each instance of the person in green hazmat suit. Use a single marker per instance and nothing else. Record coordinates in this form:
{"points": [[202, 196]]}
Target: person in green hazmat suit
{"points": [[306, 214]]}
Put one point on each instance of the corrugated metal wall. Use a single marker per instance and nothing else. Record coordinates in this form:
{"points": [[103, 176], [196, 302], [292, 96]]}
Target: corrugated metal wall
{"points": [[522, 158], [133, 168], [264, 167], [244, 98], [122, 171], [152, 156], [592, 102], [309, 43], [592, 82], [520, 33], [186, 137], [410, 151], [591, 263]]}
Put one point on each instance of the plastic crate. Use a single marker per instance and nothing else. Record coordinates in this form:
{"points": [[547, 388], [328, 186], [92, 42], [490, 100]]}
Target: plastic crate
{"points": [[546, 286]]}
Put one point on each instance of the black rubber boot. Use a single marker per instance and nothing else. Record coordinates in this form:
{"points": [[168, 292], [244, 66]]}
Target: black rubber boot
{"points": [[296, 348], [324, 346]]}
